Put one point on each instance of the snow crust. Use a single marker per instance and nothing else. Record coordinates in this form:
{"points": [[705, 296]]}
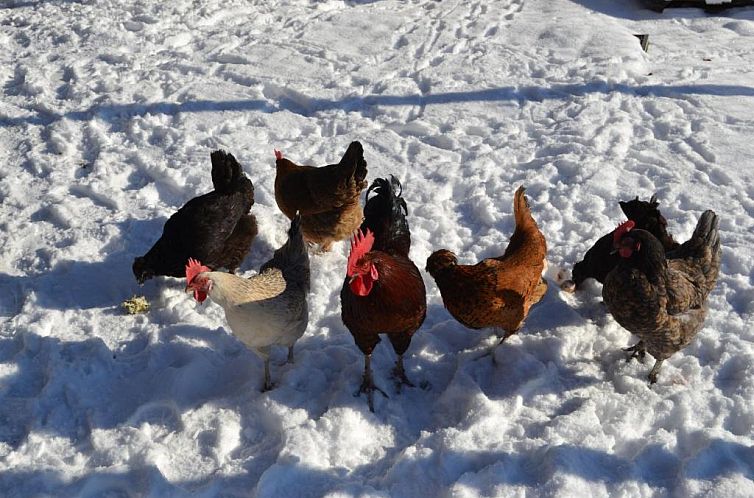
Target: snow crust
{"points": [[109, 112]]}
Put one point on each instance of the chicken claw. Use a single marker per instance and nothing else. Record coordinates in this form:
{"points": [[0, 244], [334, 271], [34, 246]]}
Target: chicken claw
{"points": [[653, 373], [399, 374], [367, 384], [638, 351]]}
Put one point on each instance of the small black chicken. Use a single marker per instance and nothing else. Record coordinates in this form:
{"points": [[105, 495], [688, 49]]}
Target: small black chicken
{"points": [[600, 258], [215, 228]]}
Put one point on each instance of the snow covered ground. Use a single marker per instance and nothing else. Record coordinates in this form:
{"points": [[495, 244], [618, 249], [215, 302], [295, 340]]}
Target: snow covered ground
{"points": [[109, 112]]}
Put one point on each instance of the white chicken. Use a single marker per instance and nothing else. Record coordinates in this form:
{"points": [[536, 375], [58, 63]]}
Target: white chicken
{"points": [[269, 308]]}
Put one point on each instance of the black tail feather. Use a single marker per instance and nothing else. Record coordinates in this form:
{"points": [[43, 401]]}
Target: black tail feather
{"points": [[385, 215]]}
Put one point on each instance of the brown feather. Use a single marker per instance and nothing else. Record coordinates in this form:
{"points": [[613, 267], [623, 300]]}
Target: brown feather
{"points": [[496, 292]]}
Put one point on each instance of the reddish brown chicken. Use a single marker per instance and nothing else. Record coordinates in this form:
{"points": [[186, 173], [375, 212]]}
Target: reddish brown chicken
{"points": [[326, 197], [496, 292], [383, 292]]}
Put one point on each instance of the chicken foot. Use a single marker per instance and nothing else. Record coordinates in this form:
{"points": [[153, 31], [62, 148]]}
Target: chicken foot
{"points": [[267, 385], [399, 373], [638, 351], [367, 383], [655, 370]]}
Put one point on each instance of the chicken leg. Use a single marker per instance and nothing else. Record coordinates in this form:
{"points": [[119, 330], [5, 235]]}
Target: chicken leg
{"points": [[399, 373], [367, 383], [638, 351], [655, 370]]}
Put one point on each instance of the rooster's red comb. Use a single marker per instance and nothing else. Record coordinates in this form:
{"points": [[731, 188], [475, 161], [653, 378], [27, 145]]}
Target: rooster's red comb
{"points": [[194, 268], [360, 245], [278, 154], [623, 228]]}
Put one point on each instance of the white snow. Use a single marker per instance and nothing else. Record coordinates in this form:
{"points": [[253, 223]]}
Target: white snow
{"points": [[109, 112]]}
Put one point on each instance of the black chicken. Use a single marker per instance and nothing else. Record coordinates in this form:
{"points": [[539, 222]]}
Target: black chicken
{"points": [[600, 258], [215, 228]]}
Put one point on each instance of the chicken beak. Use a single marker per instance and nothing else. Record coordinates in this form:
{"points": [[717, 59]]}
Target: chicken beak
{"points": [[350, 280]]}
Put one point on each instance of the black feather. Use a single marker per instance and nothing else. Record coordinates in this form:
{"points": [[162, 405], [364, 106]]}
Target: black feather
{"points": [[385, 215]]}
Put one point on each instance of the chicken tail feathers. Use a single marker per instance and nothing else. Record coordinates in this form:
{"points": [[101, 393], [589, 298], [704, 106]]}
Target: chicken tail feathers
{"points": [[225, 171], [353, 163], [385, 215], [703, 249], [648, 217], [292, 258], [521, 211]]}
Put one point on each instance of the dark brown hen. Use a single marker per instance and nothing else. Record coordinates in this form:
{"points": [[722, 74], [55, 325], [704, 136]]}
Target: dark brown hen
{"points": [[661, 300], [327, 197]]}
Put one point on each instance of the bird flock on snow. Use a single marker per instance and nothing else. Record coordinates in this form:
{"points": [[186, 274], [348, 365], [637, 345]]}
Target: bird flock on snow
{"points": [[655, 287]]}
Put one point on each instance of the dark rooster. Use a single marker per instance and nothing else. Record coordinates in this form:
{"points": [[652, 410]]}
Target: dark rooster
{"points": [[215, 228], [600, 258], [383, 292], [326, 197], [661, 300]]}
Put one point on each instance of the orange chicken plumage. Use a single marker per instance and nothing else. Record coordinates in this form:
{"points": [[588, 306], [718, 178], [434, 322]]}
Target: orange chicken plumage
{"points": [[496, 292]]}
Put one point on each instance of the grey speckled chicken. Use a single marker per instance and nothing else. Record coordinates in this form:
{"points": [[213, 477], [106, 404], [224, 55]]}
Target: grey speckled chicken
{"points": [[662, 299]]}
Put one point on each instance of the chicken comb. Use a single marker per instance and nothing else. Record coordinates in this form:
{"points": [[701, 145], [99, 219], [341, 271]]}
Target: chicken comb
{"points": [[622, 229], [278, 154], [360, 245], [194, 268]]}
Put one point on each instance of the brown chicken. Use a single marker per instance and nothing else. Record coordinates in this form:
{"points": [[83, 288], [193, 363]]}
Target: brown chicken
{"points": [[662, 300], [600, 258], [496, 292], [383, 292], [326, 197]]}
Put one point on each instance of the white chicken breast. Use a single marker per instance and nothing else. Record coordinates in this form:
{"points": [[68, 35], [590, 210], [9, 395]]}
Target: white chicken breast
{"points": [[268, 309]]}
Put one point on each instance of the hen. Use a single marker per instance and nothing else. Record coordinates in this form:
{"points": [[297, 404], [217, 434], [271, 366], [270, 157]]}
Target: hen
{"points": [[496, 292], [383, 292], [326, 197], [662, 300], [215, 228], [269, 308], [600, 258]]}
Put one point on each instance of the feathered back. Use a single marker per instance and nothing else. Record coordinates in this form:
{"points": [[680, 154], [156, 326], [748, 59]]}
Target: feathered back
{"points": [[648, 217], [385, 215], [292, 258], [703, 250], [526, 230]]}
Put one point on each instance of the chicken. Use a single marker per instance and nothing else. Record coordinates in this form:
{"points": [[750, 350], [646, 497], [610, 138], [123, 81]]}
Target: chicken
{"points": [[496, 292], [269, 308], [383, 292], [215, 228], [662, 300], [326, 197], [600, 258]]}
